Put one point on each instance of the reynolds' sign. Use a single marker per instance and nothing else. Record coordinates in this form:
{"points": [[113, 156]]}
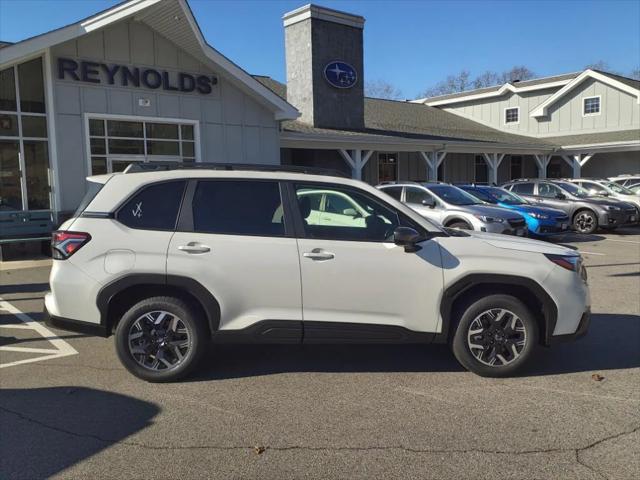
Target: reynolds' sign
{"points": [[121, 75]]}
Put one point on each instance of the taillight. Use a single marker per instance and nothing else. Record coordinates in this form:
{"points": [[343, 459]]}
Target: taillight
{"points": [[570, 262], [64, 244]]}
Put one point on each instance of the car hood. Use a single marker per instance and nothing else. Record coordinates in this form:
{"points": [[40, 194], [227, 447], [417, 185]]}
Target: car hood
{"points": [[490, 211], [533, 209], [509, 242], [605, 201]]}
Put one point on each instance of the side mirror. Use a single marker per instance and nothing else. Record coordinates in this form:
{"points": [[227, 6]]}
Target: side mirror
{"points": [[561, 196], [351, 212], [408, 238], [429, 202]]}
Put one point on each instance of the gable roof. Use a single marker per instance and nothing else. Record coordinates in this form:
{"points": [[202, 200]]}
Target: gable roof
{"points": [[398, 120], [174, 20], [498, 90], [629, 86]]}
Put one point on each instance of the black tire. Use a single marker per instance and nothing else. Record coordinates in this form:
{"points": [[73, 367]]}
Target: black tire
{"points": [[460, 224], [195, 344], [585, 221], [503, 339]]}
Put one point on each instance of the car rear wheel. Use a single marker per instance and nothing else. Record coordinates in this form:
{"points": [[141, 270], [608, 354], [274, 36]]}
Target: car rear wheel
{"points": [[160, 339], [495, 337], [585, 221]]}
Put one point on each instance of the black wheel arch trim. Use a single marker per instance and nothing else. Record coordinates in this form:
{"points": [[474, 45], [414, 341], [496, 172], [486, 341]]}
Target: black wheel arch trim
{"points": [[464, 284], [190, 286]]}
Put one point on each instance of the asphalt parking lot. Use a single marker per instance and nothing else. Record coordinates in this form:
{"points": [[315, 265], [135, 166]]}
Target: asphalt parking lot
{"points": [[69, 410]]}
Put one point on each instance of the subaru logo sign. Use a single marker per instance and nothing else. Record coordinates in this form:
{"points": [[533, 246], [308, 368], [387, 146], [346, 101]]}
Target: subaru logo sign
{"points": [[340, 74]]}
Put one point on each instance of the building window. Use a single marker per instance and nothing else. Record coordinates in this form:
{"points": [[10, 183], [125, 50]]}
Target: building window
{"points": [[24, 146], [512, 115], [481, 171], [110, 140], [591, 106], [516, 167], [387, 167]]}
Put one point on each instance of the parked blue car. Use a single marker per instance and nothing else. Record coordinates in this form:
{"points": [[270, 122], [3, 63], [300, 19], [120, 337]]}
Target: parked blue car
{"points": [[541, 221]]}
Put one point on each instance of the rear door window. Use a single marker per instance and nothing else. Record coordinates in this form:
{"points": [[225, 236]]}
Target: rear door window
{"points": [[155, 207], [523, 188], [238, 208]]}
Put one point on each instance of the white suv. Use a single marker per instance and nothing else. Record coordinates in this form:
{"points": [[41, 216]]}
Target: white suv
{"points": [[174, 260]]}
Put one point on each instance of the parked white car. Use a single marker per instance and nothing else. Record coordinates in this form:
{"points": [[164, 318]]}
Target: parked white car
{"points": [[608, 189], [174, 260]]}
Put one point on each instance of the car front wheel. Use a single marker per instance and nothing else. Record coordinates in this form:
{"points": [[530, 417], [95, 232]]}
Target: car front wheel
{"points": [[495, 336], [585, 221], [160, 339]]}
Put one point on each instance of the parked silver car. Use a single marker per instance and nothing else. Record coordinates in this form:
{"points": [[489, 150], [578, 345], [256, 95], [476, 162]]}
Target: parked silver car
{"points": [[605, 188], [451, 206]]}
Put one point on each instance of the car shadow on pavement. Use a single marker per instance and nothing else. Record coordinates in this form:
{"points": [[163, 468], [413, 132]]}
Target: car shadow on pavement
{"points": [[611, 343], [46, 430], [24, 288]]}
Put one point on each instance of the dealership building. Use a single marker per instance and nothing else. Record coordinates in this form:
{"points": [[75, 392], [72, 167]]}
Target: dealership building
{"points": [[138, 83]]}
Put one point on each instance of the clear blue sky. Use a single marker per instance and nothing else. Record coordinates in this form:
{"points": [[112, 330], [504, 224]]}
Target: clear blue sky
{"points": [[412, 44]]}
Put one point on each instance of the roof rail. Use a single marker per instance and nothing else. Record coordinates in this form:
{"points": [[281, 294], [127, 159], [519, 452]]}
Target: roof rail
{"points": [[165, 166]]}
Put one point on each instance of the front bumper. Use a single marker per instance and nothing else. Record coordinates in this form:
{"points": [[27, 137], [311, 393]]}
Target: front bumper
{"points": [[581, 331], [505, 228], [551, 227], [617, 218]]}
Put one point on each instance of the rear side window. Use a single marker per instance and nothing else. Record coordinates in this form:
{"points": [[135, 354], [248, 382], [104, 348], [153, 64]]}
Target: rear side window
{"points": [[238, 208], [153, 208], [524, 188], [395, 192]]}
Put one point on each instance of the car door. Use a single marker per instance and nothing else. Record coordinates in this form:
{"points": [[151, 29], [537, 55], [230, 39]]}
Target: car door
{"points": [[551, 195], [234, 238], [355, 276], [415, 197]]}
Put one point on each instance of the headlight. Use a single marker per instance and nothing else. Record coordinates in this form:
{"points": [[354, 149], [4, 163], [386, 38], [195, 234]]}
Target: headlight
{"points": [[612, 207], [569, 262], [539, 216], [486, 219]]}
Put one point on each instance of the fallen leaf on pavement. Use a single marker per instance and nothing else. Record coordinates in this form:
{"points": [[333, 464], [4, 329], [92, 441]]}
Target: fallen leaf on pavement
{"points": [[259, 450], [597, 377]]}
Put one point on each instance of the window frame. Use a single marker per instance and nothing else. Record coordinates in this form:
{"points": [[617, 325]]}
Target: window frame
{"points": [[584, 104], [504, 117], [387, 154], [109, 158]]}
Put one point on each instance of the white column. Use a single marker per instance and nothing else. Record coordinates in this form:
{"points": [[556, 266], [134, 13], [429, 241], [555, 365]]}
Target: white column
{"points": [[433, 161], [356, 160], [543, 162], [576, 162], [493, 162]]}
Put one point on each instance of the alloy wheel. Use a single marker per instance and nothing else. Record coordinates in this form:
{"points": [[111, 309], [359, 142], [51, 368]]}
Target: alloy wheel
{"points": [[159, 340], [496, 337], [584, 222]]}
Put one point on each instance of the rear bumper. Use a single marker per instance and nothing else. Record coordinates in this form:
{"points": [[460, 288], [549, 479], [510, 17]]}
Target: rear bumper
{"points": [[581, 331], [74, 325]]}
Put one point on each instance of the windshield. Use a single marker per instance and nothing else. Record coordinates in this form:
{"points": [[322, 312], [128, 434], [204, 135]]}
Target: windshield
{"points": [[453, 195], [618, 188], [575, 190], [505, 196]]}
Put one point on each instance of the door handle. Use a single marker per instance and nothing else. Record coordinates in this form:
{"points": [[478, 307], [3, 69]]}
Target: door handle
{"points": [[318, 254], [194, 247]]}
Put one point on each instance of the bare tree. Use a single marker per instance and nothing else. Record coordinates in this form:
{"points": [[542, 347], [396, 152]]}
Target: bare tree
{"points": [[452, 84], [599, 65], [487, 79], [519, 72], [635, 73], [382, 89]]}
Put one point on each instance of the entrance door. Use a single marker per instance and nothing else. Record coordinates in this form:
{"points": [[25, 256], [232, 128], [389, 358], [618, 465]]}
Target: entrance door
{"points": [[356, 274], [387, 167], [10, 178]]}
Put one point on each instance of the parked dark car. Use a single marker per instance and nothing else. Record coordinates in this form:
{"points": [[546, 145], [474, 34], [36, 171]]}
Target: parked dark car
{"points": [[587, 212]]}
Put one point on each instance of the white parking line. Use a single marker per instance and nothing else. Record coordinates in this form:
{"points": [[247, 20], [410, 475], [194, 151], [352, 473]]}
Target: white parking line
{"points": [[593, 253], [62, 348], [622, 241]]}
